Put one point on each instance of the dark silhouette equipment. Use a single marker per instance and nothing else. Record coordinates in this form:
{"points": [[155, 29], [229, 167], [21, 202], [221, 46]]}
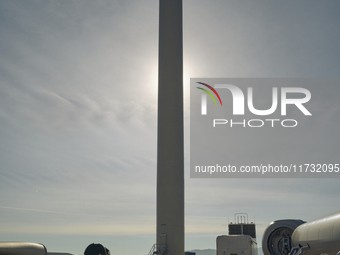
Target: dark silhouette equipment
{"points": [[96, 249]]}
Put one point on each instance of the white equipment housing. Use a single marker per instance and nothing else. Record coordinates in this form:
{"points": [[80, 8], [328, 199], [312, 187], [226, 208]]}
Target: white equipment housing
{"points": [[241, 239], [236, 245], [22, 248]]}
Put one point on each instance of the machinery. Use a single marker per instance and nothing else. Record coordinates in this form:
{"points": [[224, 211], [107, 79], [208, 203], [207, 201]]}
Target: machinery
{"points": [[241, 239], [321, 236], [27, 248], [22, 248], [236, 245], [276, 239]]}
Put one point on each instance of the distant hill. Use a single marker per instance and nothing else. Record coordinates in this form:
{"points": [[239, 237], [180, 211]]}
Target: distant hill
{"points": [[213, 252], [205, 252]]}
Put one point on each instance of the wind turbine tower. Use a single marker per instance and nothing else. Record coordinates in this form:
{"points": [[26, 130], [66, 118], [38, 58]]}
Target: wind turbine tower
{"points": [[170, 147]]}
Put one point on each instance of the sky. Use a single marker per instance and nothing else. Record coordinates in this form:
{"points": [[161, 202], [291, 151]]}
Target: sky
{"points": [[78, 114]]}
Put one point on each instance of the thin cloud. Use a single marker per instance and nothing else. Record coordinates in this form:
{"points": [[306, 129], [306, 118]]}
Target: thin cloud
{"points": [[43, 211]]}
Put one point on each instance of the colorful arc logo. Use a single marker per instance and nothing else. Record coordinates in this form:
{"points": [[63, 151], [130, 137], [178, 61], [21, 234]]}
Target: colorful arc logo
{"points": [[207, 91]]}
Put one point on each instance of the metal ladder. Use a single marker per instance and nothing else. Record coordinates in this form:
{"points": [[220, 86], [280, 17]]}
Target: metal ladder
{"points": [[153, 250]]}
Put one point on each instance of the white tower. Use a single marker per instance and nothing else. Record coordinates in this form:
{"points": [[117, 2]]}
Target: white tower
{"points": [[170, 151]]}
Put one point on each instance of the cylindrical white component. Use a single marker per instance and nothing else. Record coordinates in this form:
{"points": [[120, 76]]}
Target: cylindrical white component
{"points": [[22, 248], [170, 151], [322, 235]]}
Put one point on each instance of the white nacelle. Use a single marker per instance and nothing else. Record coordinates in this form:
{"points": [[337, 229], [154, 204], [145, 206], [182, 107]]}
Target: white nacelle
{"points": [[322, 235]]}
